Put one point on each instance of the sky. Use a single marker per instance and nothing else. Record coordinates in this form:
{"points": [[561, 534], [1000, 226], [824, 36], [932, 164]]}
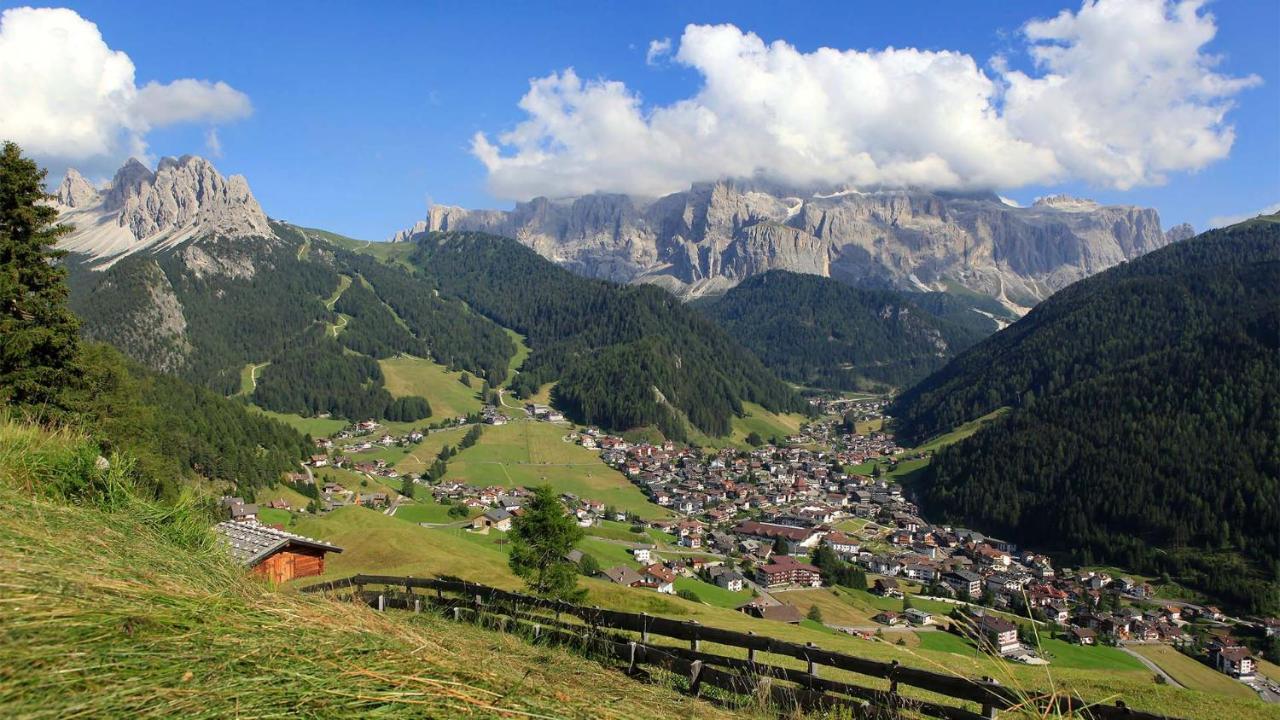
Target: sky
{"points": [[356, 121]]}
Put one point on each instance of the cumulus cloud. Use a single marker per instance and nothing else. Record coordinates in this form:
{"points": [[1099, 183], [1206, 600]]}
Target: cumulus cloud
{"points": [[1121, 94], [658, 49], [69, 99]]}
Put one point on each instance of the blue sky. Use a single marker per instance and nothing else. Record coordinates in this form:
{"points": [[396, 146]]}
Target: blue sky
{"points": [[359, 119]]}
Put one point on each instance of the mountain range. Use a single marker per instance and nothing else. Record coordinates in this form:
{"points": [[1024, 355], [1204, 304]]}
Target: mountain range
{"points": [[711, 237]]}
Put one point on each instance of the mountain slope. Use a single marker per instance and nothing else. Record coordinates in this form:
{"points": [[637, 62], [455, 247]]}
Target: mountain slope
{"points": [[714, 235], [624, 356], [1145, 427], [819, 332], [196, 282]]}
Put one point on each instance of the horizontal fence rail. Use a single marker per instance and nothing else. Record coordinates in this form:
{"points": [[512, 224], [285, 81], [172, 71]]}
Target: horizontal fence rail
{"points": [[749, 677]]}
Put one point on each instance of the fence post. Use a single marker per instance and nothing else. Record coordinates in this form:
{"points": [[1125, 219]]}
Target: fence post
{"points": [[457, 613], [631, 666], [893, 677], [417, 606], [694, 643], [537, 632], [644, 628], [695, 677], [813, 666], [751, 651], [988, 709], [382, 602]]}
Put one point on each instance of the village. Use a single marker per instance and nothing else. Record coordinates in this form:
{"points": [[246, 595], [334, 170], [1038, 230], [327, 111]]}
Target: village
{"points": [[819, 508]]}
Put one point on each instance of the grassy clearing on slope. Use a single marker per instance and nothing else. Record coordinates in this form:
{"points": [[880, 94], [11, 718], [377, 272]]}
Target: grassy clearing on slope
{"points": [[138, 613], [407, 375], [522, 353], [961, 432], [532, 453], [1192, 673], [315, 427]]}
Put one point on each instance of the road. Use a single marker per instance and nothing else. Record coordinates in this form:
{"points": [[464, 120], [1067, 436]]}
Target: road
{"points": [[1153, 667]]}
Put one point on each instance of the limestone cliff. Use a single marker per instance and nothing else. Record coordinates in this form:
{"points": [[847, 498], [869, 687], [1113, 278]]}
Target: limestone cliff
{"points": [[714, 235]]}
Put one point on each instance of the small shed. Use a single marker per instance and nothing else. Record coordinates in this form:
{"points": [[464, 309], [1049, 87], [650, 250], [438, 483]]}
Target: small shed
{"points": [[274, 554]]}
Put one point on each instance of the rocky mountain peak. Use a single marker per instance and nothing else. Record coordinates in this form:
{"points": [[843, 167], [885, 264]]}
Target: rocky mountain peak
{"points": [[75, 191], [129, 181], [1066, 202], [1178, 233], [184, 198]]}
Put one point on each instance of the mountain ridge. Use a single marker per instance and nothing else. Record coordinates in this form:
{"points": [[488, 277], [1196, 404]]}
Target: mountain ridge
{"points": [[707, 239]]}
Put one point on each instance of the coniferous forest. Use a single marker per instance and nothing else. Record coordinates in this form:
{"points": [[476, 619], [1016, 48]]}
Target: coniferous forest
{"points": [[1145, 423], [623, 355], [822, 333]]}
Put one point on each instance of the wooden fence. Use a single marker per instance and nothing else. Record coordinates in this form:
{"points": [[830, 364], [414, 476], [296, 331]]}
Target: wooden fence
{"points": [[544, 619]]}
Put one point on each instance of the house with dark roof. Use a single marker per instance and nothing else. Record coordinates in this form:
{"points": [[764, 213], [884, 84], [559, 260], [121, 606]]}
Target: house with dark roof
{"points": [[277, 555], [623, 575], [779, 612]]}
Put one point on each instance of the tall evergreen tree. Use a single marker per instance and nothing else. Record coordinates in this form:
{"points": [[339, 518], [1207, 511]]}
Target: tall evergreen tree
{"points": [[540, 540], [38, 343]]}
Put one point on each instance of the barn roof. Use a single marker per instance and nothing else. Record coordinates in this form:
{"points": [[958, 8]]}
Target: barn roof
{"points": [[249, 543]]}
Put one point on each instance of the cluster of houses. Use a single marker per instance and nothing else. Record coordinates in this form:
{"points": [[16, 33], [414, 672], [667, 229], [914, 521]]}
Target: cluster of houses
{"points": [[501, 504], [769, 504], [543, 413]]}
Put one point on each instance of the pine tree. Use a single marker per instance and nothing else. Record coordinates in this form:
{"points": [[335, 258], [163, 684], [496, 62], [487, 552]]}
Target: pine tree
{"points": [[38, 343], [540, 540]]}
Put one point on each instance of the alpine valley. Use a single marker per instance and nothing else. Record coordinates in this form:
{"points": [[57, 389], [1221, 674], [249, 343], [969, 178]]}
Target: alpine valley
{"points": [[726, 373]]}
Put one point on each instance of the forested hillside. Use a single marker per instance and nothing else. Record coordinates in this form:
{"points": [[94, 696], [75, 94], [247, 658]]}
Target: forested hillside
{"points": [[1145, 423], [158, 431], [820, 332], [314, 315], [624, 356]]}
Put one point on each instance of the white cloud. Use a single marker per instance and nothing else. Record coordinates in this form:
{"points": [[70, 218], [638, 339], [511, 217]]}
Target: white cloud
{"points": [[658, 50], [1122, 95], [69, 99], [183, 101], [213, 143], [1225, 220]]}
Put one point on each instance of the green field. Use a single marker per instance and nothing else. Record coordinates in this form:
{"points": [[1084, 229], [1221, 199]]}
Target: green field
{"points": [[407, 375], [1191, 672], [522, 353], [713, 594], [525, 453], [942, 641], [422, 455], [315, 427], [427, 511], [962, 432], [1094, 657], [268, 516]]}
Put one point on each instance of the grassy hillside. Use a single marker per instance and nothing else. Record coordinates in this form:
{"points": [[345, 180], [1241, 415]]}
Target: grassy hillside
{"points": [[407, 376], [527, 454], [135, 612], [376, 543]]}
